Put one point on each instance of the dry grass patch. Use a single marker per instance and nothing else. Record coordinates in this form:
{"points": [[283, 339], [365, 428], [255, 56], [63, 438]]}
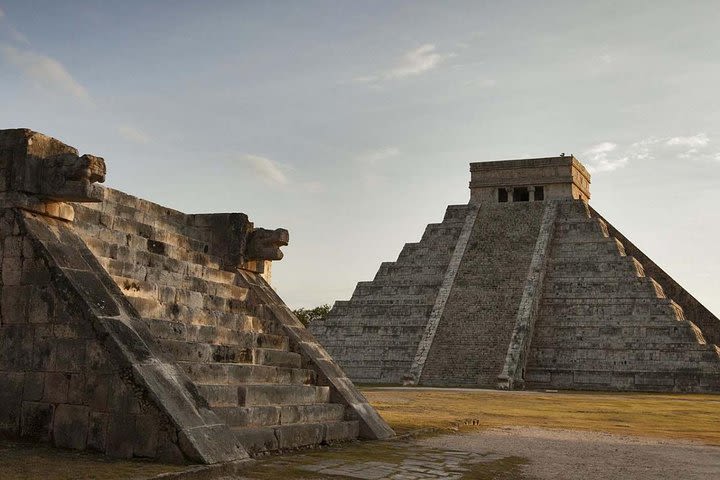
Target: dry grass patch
{"points": [[675, 416]]}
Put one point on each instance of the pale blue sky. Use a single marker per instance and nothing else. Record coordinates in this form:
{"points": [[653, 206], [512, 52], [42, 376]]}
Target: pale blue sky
{"points": [[352, 123]]}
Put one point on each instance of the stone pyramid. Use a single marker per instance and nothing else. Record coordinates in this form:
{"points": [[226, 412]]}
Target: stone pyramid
{"points": [[136, 330], [525, 286]]}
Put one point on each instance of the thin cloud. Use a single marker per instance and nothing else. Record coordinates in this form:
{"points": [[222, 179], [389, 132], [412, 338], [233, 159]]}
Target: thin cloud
{"points": [[133, 134], [376, 156], [691, 146], [2, 14], [699, 140], [606, 156], [602, 158], [267, 170], [415, 62], [45, 72]]}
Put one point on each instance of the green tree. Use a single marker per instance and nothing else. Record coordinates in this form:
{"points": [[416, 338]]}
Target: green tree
{"points": [[309, 315]]}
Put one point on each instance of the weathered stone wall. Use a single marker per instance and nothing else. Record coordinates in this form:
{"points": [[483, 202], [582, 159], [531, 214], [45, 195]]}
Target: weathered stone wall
{"points": [[604, 325], [374, 336], [471, 342], [561, 177], [59, 384]]}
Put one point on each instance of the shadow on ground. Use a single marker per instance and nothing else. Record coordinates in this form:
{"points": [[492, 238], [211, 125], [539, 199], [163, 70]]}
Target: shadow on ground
{"points": [[25, 461]]}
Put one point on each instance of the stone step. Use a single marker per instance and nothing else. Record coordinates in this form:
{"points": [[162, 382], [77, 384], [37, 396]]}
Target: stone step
{"points": [[229, 298], [405, 284], [667, 316], [443, 235], [650, 356], [226, 395], [695, 380], [360, 325], [238, 373], [661, 323], [576, 237], [164, 329], [573, 209], [392, 269], [618, 267], [263, 394], [378, 309], [397, 300], [602, 249], [617, 338], [192, 291], [286, 437], [262, 416], [390, 352], [277, 358], [555, 305], [167, 271], [629, 287], [182, 351], [456, 213], [183, 275], [202, 352], [124, 239], [431, 256], [151, 308], [137, 215], [580, 225], [396, 279]]}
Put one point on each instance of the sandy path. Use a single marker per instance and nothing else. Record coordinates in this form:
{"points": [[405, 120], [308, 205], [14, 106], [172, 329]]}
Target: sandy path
{"points": [[566, 454]]}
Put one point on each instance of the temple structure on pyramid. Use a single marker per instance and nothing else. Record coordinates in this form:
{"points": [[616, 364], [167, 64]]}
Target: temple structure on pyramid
{"points": [[136, 330], [526, 286]]}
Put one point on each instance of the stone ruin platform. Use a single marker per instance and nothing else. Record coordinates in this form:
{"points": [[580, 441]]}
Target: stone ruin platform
{"points": [[136, 330], [526, 286]]}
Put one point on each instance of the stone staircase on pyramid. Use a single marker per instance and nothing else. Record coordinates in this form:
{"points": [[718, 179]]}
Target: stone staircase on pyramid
{"points": [[206, 362], [486, 291], [392, 309]]}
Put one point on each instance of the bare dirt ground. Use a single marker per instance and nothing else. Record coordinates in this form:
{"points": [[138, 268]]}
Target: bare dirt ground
{"points": [[584, 455]]}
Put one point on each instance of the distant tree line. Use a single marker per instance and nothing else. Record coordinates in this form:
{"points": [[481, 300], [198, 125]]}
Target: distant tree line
{"points": [[310, 315]]}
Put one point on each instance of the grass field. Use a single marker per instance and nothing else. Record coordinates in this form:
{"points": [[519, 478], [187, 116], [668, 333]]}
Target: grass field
{"points": [[675, 416]]}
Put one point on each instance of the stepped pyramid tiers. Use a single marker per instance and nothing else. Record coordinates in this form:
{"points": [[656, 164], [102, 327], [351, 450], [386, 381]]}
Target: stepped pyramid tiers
{"points": [[525, 286], [137, 330]]}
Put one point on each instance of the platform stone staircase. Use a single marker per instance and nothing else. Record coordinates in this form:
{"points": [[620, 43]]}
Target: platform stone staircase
{"points": [[603, 324], [209, 322], [377, 331], [480, 311]]}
